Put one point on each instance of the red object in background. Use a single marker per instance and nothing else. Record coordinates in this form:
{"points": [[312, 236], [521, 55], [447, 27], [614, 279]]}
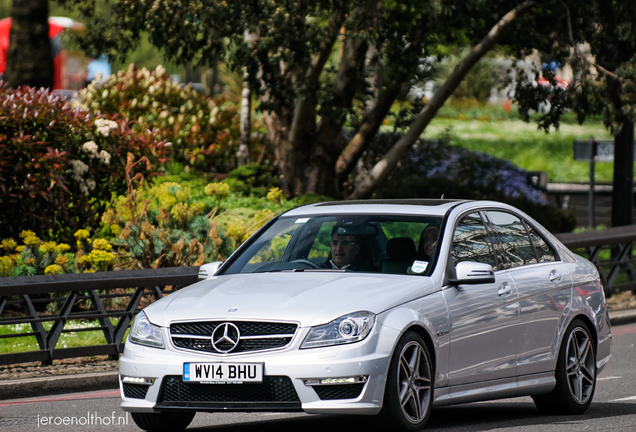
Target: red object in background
{"points": [[68, 73], [560, 83]]}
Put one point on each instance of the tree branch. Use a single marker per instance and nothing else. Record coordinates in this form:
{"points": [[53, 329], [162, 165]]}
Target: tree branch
{"points": [[304, 104], [381, 170], [579, 54]]}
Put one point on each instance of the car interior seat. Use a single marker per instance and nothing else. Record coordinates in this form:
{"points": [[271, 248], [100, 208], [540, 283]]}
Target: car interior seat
{"points": [[401, 252]]}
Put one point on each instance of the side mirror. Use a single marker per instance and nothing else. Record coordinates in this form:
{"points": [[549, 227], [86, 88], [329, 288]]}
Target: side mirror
{"points": [[473, 273], [209, 269]]}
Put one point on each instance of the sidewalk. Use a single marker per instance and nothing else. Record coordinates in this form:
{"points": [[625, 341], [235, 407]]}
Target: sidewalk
{"points": [[90, 376]]}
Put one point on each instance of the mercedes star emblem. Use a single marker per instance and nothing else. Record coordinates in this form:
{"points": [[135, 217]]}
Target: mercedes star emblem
{"points": [[225, 337]]}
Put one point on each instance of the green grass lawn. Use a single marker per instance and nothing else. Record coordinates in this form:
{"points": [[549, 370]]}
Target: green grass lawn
{"points": [[528, 147], [66, 340]]}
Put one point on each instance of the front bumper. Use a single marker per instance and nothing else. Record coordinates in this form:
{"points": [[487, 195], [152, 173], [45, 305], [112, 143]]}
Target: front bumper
{"points": [[291, 379]]}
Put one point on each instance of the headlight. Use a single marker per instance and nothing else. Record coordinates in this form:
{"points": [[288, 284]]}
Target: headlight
{"points": [[145, 333], [346, 329]]}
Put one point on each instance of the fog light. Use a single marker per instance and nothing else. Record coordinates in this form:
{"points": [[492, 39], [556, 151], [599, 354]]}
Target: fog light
{"points": [[137, 380], [336, 381]]}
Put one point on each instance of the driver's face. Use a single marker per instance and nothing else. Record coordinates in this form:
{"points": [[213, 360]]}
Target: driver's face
{"points": [[344, 249]]}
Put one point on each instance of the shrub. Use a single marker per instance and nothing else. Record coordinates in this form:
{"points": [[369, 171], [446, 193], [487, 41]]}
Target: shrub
{"points": [[60, 164], [253, 179], [432, 169], [203, 132], [169, 224]]}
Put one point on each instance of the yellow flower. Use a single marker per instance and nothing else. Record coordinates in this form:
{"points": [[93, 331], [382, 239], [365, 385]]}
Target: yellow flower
{"points": [[236, 230], [170, 193], [220, 190], [48, 247], [62, 260], [181, 212], [19, 249], [26, 233], [53, 269], [30, 261], [9, 244], [82, 235], [6, 264], [115, 229], [101, 244], [100, 259], [108, 217], [63, 247], [31, 240], [261, 217], [275, 195], [197, 208]]}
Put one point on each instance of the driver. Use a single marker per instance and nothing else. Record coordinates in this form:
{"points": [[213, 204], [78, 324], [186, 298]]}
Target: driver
{"points": [[344, 250], [345, 253]]}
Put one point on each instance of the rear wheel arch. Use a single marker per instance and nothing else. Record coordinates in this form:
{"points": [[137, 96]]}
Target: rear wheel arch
{"points": [[590, 325]]}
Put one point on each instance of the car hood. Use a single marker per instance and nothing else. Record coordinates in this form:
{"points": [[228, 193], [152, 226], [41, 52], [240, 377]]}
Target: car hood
{"points": [[310, 298]]}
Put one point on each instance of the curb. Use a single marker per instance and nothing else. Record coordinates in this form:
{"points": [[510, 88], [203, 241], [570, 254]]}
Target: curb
{"points": [[36, 387], [620, 317]]}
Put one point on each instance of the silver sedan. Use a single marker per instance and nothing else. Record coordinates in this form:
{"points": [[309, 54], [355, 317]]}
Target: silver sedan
{"points": [[381, 308]]}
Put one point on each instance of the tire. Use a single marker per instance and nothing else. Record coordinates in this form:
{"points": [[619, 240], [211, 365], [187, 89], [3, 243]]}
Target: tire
{"points": [[575, 374], [164, 421], [408, 395]]}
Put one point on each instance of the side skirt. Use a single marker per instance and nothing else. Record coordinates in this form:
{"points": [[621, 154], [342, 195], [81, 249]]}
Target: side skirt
{"points": [[528, 385]]}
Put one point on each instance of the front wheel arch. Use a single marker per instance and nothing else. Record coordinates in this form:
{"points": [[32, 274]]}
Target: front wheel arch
{"points": [[409, 391]]}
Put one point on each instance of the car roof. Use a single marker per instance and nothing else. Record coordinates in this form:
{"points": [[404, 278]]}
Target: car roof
{"points": [[432, 207]]}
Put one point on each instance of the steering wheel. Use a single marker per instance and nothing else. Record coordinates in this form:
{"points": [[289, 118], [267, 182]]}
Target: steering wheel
{"points": [[306, 262]]}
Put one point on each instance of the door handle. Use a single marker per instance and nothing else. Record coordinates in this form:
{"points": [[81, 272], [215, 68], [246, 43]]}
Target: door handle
{"points": [[504, 290], [555, 276]]}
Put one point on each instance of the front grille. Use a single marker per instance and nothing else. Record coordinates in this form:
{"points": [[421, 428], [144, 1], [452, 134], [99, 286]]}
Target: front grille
{"points": [[254, 336], [275, 392], [341, 391], [135, 391]]}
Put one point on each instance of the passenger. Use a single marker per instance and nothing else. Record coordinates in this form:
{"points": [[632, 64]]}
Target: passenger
{"points": [[428, 243]]}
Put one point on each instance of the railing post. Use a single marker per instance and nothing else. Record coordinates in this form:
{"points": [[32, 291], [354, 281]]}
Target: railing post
{"points": [[56, 329], [38, 328]]}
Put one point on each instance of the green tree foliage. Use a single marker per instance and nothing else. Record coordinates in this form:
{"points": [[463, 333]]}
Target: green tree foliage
{"points": [[599, 42], [315, 64]]}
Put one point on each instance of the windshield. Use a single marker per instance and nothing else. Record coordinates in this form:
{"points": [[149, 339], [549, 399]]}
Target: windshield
{"points": [[395, 244]]}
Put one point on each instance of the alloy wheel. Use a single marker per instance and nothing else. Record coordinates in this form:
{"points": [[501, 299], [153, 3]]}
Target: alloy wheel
{"points": [[580, 368], [414, 381]]}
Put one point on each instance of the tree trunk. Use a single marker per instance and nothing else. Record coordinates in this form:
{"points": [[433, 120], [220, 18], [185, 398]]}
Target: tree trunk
{"points": [[381, 170], [209, 76], [623, 194], [246, 122], [29, 57]]}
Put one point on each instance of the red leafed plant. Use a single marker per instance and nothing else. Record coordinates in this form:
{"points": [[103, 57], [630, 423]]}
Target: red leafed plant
{"points": [[60, 164]]}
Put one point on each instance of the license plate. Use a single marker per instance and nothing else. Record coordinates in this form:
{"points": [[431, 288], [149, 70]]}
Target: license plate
{"points": [[223, 373]]}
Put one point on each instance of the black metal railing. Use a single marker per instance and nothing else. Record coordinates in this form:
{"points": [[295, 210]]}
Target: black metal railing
{"points": [[117, 296], [103, 297], [611, 251]]}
